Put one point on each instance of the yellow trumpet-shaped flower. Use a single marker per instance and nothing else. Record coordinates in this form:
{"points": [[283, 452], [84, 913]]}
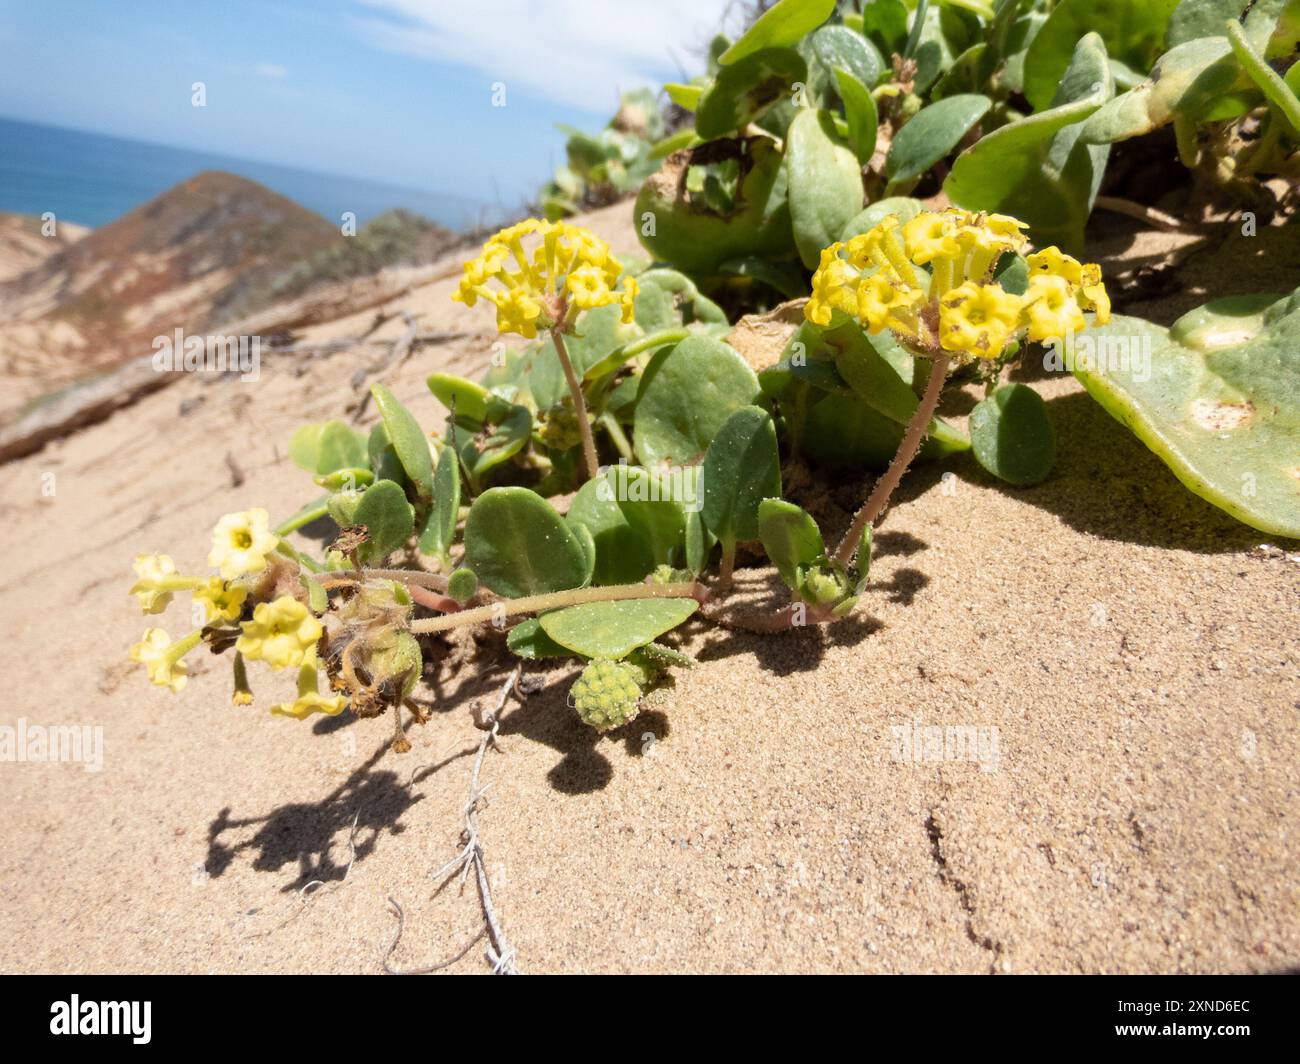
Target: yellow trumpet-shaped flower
{"points": [[281, 633], [953, 305], [568, 268], [162, 658], [221, 601], [241, 542], [309, 699], [978, 319], [1051, 308], [157, 580]]}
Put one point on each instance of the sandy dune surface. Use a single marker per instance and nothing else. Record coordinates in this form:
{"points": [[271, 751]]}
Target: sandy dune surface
{"points": [[1131, 651]]}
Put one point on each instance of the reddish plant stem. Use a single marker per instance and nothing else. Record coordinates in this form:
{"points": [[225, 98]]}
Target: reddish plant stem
{"points": [[579, 405], [907, 449]]}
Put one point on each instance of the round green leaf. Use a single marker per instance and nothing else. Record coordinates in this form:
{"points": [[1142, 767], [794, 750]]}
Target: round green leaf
{"points": [[687, 392], [615, 629], [741, 468], [1012, 436], [840, 48], [518, 545], [388, 517], [790, 536], [468, 399], [932, 134], [623, 555]]}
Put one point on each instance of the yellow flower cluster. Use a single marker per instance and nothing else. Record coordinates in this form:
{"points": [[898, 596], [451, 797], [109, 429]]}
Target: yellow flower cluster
{"points": [[929, 282], [281, 633], [568, 270]]}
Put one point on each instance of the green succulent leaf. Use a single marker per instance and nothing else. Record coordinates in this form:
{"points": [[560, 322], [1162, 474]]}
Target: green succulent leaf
{"points": [[877, 384], [325, 447], [408, 439], [686, 394], [1188, 81], [825, 183], [679, 225], [1214, 397], [439, 531], [518, 545], [860, 112], [468, 399], [746, 89], [885, 22], [1012, 437], [1132, 33], [687, 97], [529, 641], [782, 25], [651, 506], [790, 536], [840, 48], [388, 517], [1275, 90], [346, 479], [1201, 18], [742, 467], [1038, 169], [614, 629], [505, 432], [623, 553], [933, 134]]}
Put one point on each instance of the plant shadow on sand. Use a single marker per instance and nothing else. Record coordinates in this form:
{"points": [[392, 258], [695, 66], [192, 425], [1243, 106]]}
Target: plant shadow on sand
{"points": [[324, 838]]}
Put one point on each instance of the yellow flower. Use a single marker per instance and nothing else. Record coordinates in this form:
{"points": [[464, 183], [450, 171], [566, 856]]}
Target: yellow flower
{"points": [[568, 263], [162, 658], [221, 601], [1051, 308], [241, 542], [281, 633], [518, 312], [309, 699], [630, 290], [1095, 296], [1051, 260], [884, 304], [931, 235], [587, 286], [157, 580], [978, 319]]}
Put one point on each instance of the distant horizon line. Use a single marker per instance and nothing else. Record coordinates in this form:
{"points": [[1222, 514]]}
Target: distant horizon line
{"points": [[310, 171]]}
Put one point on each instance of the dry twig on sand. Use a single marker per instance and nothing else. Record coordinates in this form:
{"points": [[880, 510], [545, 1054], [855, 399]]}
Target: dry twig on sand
{"points": [[470, 859]]}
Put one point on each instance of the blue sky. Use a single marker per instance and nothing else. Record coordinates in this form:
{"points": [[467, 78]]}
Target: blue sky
{"points": [[398, 91]]}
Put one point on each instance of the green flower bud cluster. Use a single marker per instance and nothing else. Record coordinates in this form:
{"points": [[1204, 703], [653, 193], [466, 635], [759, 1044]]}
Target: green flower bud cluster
{"points": [[608, 693]]}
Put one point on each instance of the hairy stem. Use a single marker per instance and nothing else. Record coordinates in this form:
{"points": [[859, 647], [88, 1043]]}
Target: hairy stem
{"points": [[907, 449], [579, 405], [499, 611]]}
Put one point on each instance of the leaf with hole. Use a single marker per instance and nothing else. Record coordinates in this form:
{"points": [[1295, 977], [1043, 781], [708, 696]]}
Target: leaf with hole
{"points": [[743, 91], [1214, 397]]}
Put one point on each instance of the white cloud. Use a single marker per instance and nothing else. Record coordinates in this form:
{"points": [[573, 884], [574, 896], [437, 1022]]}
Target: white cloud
{"points": [[271, 70], [576, 52]]}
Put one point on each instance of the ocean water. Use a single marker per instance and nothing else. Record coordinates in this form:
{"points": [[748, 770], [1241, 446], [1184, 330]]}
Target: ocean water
{"points": [[92, 179]]}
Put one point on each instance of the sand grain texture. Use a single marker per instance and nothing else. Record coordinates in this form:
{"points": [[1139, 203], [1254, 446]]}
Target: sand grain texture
{"points": [[1137, 656]]}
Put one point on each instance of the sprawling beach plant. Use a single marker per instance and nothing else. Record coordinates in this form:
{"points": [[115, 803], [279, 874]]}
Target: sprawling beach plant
{"points": [[650, 538], [598, 487]]}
